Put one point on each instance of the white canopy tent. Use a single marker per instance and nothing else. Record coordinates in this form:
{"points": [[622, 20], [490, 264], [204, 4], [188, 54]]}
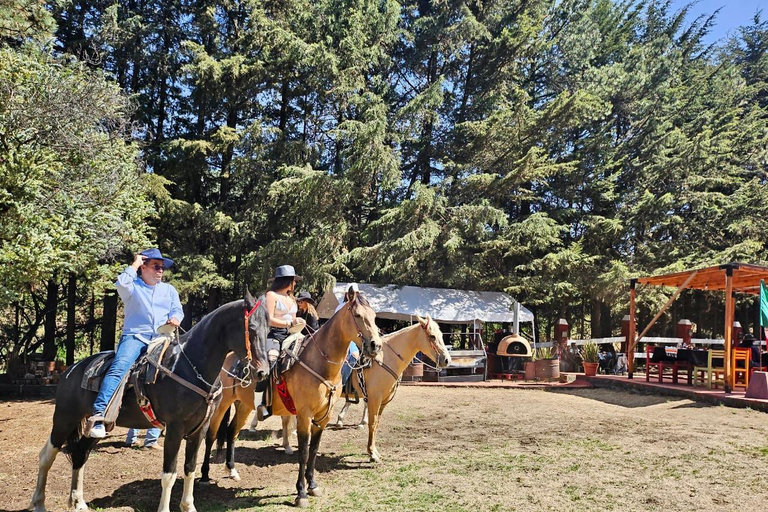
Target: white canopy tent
{"points": [[442, 304]]}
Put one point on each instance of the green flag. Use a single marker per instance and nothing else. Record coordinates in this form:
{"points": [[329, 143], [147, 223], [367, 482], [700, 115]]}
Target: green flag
{"points": [[763, 304]]}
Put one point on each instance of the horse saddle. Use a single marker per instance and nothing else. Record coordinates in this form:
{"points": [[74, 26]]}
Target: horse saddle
{"points": [[290, 349], [140, 374]]}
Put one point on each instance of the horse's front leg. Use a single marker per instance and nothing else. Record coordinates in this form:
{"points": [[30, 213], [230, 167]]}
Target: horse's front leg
{"points": [[210, 437], [314, 489], [242, 410], [374, 413], [173, 437], [302, 432], [190, 463]]}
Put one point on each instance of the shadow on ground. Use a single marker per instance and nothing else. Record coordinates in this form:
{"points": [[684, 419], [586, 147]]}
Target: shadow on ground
{"points": [[628, 399]]}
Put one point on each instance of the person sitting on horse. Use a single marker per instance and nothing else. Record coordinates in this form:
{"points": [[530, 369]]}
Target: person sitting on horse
{"points": [[281, 310], [149, 303], [308, 312]]}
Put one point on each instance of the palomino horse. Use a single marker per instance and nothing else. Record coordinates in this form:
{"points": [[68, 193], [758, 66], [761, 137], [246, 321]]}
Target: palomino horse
{"points": [[382, 378], [314, 383], [176, 397]]}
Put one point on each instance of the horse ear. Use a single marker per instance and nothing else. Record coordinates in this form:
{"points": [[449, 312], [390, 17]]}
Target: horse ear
{"points": [[249, 301], [422, 321]]}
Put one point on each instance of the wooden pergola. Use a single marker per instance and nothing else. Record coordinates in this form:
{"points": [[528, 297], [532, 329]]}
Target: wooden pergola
{"points": [[731, 278]]}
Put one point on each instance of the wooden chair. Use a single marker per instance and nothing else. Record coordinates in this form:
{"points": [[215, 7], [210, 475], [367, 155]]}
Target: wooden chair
{"points": [[710, 373], [740, 372], [661, 365]]}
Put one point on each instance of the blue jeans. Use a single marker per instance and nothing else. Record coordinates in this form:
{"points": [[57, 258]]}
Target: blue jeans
{"points": [[128, 351], [352, 355], [149, 439]]}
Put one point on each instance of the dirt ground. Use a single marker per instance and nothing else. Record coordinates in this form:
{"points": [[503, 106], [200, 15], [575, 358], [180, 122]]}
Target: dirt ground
{"points": [[447, 449]]}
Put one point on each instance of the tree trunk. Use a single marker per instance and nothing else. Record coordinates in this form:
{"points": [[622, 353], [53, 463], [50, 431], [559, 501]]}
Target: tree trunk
{"points": [[109, 321], [596, 319], [49, 338], [91, 324], [71, 302]]}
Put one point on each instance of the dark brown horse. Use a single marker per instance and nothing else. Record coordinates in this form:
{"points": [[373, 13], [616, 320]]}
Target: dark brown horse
{"points": [[184, 410]]}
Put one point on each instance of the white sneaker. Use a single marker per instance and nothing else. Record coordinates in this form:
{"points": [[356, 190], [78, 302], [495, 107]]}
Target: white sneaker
{"points": [[98, 431]]}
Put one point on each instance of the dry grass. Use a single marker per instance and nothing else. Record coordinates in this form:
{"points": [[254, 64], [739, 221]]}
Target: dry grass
{"points": [[450, 450]]}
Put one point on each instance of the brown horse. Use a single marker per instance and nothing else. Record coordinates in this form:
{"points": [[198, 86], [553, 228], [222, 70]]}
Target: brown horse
{"points": [[381, 379], [314, 383]]}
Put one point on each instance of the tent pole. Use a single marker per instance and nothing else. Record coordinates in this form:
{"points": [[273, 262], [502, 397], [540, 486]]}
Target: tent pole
{"points": [[729, 313], [631, 344]]}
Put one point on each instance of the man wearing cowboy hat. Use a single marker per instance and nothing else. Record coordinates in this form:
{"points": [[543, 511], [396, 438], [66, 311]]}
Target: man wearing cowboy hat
{"points": [[149, 303]]}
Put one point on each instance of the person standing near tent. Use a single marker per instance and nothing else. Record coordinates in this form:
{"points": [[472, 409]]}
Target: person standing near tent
{"points": [[353, 353]]}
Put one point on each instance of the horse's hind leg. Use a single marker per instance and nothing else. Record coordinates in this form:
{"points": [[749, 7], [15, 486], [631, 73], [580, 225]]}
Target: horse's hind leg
{"points": [[364, 419], [46, 458], [287, 422], [342, 414]]}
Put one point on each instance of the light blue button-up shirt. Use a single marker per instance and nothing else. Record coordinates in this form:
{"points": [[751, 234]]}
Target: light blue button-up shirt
{"points": [[146, 307]]}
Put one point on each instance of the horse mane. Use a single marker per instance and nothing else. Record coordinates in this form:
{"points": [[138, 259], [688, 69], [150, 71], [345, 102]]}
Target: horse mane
{"points": [[260, 315], [362, 299]]}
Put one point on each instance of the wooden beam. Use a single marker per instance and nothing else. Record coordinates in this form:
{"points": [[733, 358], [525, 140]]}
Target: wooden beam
{"points": [[729, 314], [631, 344], [666, 306]]}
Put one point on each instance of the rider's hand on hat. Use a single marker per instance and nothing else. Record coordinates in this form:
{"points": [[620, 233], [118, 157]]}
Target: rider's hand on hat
{"points": [[139, 261]]}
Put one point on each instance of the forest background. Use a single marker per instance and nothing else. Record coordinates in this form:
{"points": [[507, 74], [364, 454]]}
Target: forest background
{"points": [[549, 149]]}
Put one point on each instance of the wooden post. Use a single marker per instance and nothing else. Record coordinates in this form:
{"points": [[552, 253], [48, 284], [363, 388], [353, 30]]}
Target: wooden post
{"points": [[729, 313], [631, 337]]}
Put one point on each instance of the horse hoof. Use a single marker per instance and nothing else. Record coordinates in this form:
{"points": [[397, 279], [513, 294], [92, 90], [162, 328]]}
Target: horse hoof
{"points": [[316, 492], [288, 450], [205, 482], [339, 423], [375, 458], [234, 475], [302, 502], [360, 426]]}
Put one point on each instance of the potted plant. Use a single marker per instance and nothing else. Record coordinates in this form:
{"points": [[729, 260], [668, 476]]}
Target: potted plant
{"points": [[590, 358], [547, 364]]}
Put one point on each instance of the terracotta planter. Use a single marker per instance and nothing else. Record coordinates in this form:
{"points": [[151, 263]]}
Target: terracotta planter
{"points": [[530, 370], [547, 369], [590, 369]]}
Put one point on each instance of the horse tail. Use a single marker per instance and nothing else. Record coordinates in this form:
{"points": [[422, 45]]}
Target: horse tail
{"points": [[78, 446], [221, 435]]}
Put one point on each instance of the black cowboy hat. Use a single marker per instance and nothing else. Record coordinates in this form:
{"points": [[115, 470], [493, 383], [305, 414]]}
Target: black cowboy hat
{"points": [[155, 254], [307, 297]]}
